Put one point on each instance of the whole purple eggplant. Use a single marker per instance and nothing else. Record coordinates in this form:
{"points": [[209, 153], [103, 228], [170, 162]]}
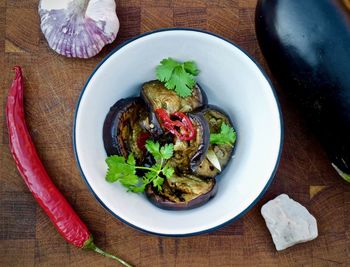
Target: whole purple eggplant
{"points": [[306, 44]]}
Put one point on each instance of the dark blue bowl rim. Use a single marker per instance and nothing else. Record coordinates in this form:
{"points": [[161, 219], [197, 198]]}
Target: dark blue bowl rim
{"points": [[210, 229]]}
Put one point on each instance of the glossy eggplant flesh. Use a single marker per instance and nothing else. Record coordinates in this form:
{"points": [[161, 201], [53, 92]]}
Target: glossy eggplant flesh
{"points": [[156, 95], [122, 128], [182, 192], [189, 154], [215, 117]]}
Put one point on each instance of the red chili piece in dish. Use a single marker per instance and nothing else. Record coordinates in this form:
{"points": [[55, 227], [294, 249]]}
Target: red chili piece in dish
{"points": [[141, 141], [178, 123]]}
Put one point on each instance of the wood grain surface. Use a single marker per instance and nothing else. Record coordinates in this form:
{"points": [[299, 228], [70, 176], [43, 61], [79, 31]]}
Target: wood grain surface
{"points": [[53, 84]]}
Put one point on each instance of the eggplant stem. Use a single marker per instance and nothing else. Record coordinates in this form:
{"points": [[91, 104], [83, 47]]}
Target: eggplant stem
{"points": [[344, 175], [91, 245]]}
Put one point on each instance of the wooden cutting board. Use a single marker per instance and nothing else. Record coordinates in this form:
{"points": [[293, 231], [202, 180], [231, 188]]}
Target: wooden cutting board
{"points": [[53, 84]]}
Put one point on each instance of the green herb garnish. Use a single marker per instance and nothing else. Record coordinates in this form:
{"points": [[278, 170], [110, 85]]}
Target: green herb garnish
{"points": [[227, 136], [124, 170], [178, 76]]}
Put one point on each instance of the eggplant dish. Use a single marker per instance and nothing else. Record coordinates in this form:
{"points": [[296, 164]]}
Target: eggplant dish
{"points": [[195, 132]]}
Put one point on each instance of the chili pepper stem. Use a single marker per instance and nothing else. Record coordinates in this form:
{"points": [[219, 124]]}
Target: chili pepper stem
{"points": [[89, 244]]}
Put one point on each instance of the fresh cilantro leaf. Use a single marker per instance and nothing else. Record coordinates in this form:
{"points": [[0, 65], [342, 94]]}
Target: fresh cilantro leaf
{"points": [[181, 81], [191, 67], [158, 182], [167, 151], [129, 180], [153, 148], [168, 171], [124, 170], [155, 179], [227, 135], [115, 169], [114, 160], [138, 189], [119, 170], [112, 176], [149, 176], [157, 168], [165, 69], [131, 159], [177, 76]]}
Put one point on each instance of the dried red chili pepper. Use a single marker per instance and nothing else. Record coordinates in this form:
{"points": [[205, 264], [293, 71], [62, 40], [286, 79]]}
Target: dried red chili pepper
{"points": [[181, 121], [35, 176]]}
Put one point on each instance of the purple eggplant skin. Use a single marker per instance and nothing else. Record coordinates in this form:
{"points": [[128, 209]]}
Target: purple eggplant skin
{"points": [[156, 95], [203, 94], [164, 203], [306, 44], [202, 132], [121, 124]]}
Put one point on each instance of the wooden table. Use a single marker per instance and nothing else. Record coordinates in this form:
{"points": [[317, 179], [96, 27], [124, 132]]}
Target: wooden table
{"points": [[53, 84]]}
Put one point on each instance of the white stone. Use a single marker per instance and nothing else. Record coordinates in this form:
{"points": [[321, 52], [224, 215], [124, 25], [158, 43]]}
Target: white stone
{"points": [[289, 222]]}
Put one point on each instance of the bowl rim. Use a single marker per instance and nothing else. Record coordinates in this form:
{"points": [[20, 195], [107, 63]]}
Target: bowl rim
{"points": [[256, 200]]}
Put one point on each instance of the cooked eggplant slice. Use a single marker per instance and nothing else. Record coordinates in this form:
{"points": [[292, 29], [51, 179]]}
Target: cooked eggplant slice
{"points": [[182, 192], [189, 154], [157, 96], [215, 117], [122, 127]]}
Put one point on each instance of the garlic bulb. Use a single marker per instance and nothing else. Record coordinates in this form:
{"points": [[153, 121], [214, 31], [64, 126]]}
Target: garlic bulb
{"points": [[78, 28]]}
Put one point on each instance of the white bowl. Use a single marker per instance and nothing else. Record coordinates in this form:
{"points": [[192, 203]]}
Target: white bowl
{"points": [[232, 81]]}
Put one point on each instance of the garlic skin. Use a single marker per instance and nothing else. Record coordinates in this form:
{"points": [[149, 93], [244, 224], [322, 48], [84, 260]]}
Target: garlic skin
{"points": [[78, 28]]}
